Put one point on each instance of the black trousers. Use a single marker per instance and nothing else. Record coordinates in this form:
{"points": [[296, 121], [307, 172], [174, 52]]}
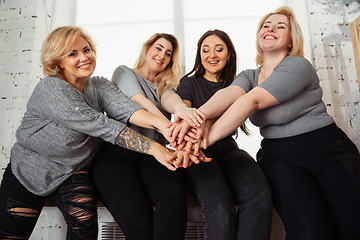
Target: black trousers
{"points": [[315, 179], [128, 182]]}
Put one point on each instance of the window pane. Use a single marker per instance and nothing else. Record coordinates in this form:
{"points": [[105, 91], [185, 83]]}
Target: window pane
{"points": [[120, 27], [122, 11], [215, 9]]}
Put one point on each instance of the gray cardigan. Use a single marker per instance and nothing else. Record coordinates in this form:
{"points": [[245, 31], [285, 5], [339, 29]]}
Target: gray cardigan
{"points": [[62, 129], [295, 84]]}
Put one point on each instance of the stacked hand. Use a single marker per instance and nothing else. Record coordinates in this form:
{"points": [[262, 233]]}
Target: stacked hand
{"points": [[188, 136]]}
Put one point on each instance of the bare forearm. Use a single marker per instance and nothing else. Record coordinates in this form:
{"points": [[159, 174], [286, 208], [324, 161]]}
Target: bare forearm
{"points": [[148, 105], [234, 116], [221, 101], [171, 102], [239, 111], [143, 118]]}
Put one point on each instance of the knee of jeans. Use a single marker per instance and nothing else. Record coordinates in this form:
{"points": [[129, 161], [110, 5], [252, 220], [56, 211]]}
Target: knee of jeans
{"points": [[22, 211], [82, 206], [219, 209], [263, 193], [85, 224], [5, 236]]}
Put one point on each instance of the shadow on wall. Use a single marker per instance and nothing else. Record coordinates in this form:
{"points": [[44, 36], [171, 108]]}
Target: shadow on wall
{"points": [[333, 59]]}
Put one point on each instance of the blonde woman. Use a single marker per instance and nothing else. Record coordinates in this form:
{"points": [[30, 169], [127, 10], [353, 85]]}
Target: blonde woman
{"points": [[118, 170], [61, 132]]}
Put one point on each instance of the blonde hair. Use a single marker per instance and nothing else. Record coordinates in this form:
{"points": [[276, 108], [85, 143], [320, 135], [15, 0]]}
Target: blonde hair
{"points": [[169, 78], [59, 44], [297, 38]]}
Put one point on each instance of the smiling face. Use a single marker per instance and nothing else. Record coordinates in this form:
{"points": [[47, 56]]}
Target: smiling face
{"points": [[275, 34], [214, 55], [159, 55], [79, 64]]}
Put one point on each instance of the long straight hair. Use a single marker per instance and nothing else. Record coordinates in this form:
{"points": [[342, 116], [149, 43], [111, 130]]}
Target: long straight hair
{"points": [[228, 73]]}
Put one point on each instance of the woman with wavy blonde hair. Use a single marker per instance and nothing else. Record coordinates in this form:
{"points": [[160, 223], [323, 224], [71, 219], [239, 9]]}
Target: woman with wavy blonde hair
{"points": [[168, 78], [149, 84], [61, 131]]}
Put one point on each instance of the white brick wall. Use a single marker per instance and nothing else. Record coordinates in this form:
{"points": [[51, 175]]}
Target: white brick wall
{"points": [[333, 59], [24, 24]]}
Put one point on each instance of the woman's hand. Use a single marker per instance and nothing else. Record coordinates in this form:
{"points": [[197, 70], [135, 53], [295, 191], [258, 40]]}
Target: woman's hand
{"points": [[172, 103], [164, 155], [178, 132], [192, 116], [205, 132], [185, 160]]}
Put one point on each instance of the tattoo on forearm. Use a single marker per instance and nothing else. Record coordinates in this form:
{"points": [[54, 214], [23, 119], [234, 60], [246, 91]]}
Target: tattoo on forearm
{"points": [[155, 128], [133, 140]]}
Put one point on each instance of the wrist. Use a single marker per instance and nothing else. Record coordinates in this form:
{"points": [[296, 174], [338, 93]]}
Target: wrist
{"points": [[211, 138], [204, 113], [180, 107], [154, 148], [160, 125]]}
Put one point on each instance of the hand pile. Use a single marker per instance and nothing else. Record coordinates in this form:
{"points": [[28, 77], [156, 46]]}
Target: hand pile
{"points": [[188, 134]]}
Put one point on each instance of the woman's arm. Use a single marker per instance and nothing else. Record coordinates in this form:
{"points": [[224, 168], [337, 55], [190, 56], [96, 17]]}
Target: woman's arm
{"points": [[133, 140], [172, 103], [213, 108], [257, 99], [147, 104], [145, 119], [221, 101]]}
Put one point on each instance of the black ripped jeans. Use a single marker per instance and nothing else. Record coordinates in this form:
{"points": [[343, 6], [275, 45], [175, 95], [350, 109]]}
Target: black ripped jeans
{"points": [[76, 199]]}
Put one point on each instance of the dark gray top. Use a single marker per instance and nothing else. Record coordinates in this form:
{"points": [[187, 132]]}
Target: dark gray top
{"points": [[62, 129], [295, 84], [131, 83]]}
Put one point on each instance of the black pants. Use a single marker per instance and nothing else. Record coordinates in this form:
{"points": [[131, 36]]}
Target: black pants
{"points": [[76, 199], [128, 181], [231, 170], [315, 178]]}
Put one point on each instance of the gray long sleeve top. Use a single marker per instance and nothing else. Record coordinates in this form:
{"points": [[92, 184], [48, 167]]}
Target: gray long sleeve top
{"points": [[295, 84], [62, 129]]}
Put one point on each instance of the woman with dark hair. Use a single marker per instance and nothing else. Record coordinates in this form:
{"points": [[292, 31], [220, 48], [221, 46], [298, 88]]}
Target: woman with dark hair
{"points": [[312, 165], [232, 170], [128, 187]]}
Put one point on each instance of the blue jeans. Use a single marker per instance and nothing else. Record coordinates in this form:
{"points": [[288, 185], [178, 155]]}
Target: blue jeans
{"points": [[231, 171], [128, 182], [315, 178], [76, 199]]}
